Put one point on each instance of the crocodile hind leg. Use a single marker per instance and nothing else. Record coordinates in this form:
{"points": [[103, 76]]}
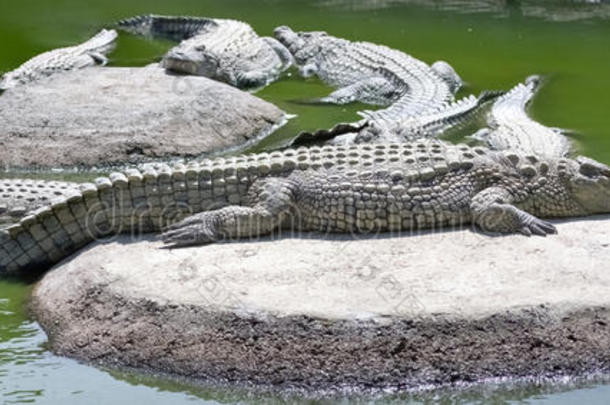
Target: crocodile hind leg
{"points": [[270, 200], [376, 90], [253, 79], [492, 212]]}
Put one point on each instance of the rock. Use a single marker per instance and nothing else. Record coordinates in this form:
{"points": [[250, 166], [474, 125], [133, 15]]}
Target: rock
{"points": [[331, 312], [101, 116]]}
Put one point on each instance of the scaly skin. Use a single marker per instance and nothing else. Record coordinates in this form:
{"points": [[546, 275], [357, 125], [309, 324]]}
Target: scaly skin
{"points": [[418, 97], [511, 128], [408, 129], [361, 188], [20, 196], [368, 72], [90, 53], [225, 50]]}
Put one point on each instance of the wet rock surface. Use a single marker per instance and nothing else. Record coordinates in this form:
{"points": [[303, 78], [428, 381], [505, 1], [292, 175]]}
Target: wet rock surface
{"points": [[338, 313], [115, 116]]}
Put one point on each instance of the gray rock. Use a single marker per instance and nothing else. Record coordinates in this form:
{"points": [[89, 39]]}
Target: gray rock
{"points": [[337, 312], [101, 116]]}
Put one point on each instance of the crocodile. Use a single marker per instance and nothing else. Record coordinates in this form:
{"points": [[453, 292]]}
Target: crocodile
{"points": [[358, 188], [20, 196], [412, 128], [418, 98], [221, 49], [511, 127], [90, 53]]}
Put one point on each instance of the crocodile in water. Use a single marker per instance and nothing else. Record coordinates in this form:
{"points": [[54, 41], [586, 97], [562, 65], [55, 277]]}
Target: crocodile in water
{"points": [[225, 50], [418, 98], [90, 53], [511, 127]]}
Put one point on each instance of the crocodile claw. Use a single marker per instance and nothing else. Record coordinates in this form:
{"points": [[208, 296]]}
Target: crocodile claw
{"points": [[187, 236], [194, 230], [534, 226]]}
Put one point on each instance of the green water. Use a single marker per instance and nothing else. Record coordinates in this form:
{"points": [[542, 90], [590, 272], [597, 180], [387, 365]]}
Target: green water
{"points": [[490, 50]]}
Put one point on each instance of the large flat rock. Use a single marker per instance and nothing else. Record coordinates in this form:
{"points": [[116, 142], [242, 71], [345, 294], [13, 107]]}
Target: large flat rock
{"points": [[331, 311], [100, 116]]}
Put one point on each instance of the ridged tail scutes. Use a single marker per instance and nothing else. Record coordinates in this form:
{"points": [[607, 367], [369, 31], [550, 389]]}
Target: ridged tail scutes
{"points": [[489, 95], [176, 28], [139, 25]]}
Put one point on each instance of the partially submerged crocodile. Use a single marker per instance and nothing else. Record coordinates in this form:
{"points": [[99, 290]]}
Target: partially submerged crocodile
{"points": [[89, 53], [360, 188], [225, 50], [418, 98], [511, 127]]}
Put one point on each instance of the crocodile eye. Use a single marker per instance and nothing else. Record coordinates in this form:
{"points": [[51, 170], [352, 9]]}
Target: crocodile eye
{"points": [[591, 168], [588, 170]]}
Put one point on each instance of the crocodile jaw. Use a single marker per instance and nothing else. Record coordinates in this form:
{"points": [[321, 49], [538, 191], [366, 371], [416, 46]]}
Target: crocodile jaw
{"points": [[191, 62]]}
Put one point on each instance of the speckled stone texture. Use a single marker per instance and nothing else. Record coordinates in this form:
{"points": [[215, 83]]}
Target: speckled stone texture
{"points": [[336, 312], [101, 116]]}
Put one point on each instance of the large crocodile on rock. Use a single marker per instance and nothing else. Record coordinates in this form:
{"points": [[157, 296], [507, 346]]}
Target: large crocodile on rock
{"points": [[418, 98], [511, 127], [357, 188], [90, 53], [225, 50]]}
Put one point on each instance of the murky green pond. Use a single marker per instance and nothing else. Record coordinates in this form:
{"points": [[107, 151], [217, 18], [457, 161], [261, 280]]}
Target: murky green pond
{"points": [[493, 44]]}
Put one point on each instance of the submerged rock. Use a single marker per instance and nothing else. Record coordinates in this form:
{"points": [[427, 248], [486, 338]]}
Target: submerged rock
{"points": [[332, 312], [116, 116]]}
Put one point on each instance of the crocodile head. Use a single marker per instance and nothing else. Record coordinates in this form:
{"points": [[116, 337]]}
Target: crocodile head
{"points": [[191, 59], [302, 45], [589, 183]]}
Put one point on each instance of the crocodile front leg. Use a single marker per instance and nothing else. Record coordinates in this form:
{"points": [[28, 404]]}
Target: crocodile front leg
{"points": [[270, 200], [99, 58], [492, 211]]}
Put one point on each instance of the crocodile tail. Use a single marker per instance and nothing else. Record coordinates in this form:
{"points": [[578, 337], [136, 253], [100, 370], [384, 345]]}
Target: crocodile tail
{"points": [[121, 203], [157, 26]]}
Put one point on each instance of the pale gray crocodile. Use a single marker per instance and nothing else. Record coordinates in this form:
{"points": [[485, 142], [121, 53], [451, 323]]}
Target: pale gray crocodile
{"points": [[511, 127], [89, 53], [418, 98], [225, 50], [357, 188], [20, 196], [412, 128]]}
